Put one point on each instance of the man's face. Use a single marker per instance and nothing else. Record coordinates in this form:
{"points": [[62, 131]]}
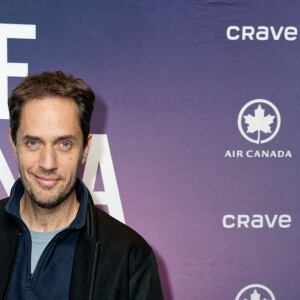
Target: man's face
{"points": [[49, 149]]}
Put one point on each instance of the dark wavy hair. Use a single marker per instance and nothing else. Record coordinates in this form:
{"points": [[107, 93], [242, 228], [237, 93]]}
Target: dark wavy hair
{"points": [[53, 84]]}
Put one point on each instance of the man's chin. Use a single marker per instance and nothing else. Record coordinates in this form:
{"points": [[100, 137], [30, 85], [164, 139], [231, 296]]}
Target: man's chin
{"points": [[46, 200], [47, 204]]}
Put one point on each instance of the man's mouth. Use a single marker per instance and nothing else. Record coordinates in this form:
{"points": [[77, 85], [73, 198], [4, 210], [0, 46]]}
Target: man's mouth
{"points": [[46, 181]]}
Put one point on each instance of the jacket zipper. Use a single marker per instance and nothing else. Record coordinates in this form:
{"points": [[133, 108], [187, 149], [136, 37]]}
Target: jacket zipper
{"points": [[42, 255], [13, 263]]}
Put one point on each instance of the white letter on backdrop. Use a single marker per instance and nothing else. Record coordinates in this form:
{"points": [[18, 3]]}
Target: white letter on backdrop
{"points": [[13, 31], [6, 176], [100, 155]]}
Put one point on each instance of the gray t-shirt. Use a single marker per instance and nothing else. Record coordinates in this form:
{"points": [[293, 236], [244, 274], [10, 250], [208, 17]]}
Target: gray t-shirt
{"points": [[39, 241]]}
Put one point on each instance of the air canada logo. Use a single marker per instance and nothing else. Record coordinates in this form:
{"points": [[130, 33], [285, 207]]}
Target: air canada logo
{"points": [[255, 292], [259, 121]]}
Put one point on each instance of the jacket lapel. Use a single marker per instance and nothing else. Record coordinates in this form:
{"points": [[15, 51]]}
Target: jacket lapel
{"points": [[85, 258], [81, 279]]}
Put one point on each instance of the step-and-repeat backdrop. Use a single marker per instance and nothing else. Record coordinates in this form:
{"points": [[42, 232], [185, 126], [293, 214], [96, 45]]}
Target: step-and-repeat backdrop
{"points": [[196, 129]]}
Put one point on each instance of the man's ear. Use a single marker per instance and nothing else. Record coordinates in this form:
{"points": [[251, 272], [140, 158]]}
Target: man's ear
{"points": [[14, 148], [87, 148]]}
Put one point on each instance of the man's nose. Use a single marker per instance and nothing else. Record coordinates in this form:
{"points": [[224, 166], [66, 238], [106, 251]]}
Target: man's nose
{"points": [[48, 159]]}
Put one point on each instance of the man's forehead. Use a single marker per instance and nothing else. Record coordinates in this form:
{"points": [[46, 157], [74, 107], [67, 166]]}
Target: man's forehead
{"points": [[49, 108], [50, 116]]}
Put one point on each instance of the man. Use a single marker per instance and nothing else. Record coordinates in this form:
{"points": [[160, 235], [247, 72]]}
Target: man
{"points": [[54, 243]]}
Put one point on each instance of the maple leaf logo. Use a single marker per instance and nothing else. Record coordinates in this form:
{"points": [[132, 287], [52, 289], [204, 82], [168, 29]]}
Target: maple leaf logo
{"points": [[259, 122]]}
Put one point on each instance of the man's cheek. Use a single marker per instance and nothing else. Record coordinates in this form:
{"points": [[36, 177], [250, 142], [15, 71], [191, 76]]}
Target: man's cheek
{"points": [[28, 160]]}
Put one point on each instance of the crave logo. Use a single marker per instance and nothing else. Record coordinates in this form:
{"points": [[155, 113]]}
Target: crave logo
{"points": [[255, 292], [261, 33], [259, 122]]}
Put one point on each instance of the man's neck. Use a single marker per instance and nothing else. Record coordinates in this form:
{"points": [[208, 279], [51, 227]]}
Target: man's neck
{"points": [[41, 219]]}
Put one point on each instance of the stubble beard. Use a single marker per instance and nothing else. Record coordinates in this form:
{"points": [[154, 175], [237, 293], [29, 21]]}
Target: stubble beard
{"points": [[54, 201]]}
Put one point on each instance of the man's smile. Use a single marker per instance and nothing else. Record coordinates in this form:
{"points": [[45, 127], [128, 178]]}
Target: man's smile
{"points": [[46, 181]]}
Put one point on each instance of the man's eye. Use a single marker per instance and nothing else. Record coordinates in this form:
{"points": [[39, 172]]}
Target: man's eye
{"points": [[65, 144], [32, 143]]}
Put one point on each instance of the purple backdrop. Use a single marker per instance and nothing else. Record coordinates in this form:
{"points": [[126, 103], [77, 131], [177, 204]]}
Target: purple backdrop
{"points": [[170, 80]]}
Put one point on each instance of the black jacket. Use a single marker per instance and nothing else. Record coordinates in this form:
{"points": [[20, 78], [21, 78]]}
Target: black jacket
{"points": [[111, 260]]}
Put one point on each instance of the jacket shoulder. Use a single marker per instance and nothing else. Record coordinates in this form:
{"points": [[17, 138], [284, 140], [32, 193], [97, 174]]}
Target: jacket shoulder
{"points": [[123, 240], [114, 230]]}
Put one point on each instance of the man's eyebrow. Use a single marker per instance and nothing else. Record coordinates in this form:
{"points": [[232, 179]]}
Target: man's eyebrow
{"points": [[31, 137], [59, 138], [66, 137]]}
